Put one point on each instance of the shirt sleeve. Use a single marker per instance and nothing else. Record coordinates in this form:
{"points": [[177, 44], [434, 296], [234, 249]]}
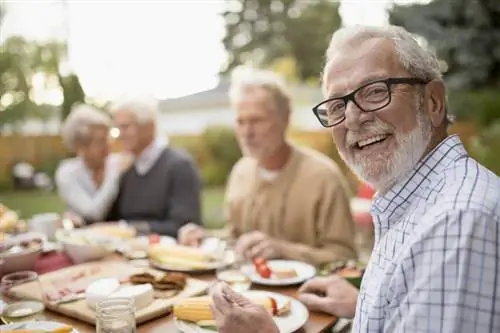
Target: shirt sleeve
{"points": [[92, 207], [449, 279]]}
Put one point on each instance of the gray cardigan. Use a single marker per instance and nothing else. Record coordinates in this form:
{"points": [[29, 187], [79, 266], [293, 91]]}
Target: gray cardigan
{"points": [[162, 200]]}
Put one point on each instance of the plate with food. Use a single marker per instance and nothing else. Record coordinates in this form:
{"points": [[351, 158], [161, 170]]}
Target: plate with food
{"points": [[179, 258], [351, 270], [137, 247], [278, 272], [193, 315], [37, 327]]}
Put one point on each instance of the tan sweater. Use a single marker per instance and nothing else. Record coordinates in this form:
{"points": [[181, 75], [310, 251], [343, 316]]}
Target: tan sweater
{"points": [[306, 207]]}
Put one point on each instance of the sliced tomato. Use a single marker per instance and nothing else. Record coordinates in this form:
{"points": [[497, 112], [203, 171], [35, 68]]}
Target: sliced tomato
{"points": [[274, 306], [154, 239], [259, 261], [264, 271]]}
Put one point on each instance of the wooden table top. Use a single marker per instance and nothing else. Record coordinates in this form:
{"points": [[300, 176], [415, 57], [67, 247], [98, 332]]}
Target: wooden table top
{"points": [[318, 322]]}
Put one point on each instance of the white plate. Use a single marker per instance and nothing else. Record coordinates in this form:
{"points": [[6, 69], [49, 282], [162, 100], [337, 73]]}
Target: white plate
{"points": [[33, 325], [297, 317], [228, 260], [304, 273]]}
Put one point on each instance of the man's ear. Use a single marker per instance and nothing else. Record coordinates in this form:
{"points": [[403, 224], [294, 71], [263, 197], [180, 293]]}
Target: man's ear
{"points": [[435, 100]]}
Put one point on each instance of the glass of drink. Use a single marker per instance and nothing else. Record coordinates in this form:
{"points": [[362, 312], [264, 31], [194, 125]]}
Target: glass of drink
{"points": [[116, 315], [234, 276], [27, 303]]}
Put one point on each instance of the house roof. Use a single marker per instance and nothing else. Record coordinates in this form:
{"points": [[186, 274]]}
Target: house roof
{"points": [[218, 97]]}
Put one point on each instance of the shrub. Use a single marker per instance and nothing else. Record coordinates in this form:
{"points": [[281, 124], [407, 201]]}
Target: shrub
{"points": [[485, 147], [221, 151], [480, 106]]}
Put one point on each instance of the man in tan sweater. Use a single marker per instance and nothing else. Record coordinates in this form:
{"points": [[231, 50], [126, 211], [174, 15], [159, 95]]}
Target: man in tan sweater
{"points": [[282, 201]]}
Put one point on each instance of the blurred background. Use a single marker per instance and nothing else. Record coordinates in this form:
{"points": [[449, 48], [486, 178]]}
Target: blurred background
{"points": [[57, 53]]}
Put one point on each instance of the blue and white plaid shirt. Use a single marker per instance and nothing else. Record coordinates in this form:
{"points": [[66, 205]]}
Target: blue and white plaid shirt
{"points": [[436, 261]]}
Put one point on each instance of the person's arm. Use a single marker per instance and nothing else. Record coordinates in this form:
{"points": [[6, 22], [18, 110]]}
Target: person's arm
{"points": [[448, 280], [185, 202], [334, 227], [90, 207]]}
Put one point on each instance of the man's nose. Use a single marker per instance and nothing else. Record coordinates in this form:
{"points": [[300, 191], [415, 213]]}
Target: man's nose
{"points": [[355, 117]]}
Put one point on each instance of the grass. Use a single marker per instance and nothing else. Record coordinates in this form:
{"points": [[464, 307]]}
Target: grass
{"points": [[34, 202]]}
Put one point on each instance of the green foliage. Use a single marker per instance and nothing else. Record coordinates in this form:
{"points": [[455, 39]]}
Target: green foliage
{"points": [[72, 92], [465, 34], [221, 145], [486, 147], [480, 106], [20, 61], [262, 31]]}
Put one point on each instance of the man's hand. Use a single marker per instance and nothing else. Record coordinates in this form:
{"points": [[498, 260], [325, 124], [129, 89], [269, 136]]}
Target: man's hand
{"points": [[333, 295], [256, 244], [235, 313], [191, 235]]}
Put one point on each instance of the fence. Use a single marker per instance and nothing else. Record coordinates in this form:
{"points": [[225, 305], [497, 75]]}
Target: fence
{"points": [[45, 152]]}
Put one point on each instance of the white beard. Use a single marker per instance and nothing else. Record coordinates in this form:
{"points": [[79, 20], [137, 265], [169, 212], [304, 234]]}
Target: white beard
{"points": [[385, 170]]}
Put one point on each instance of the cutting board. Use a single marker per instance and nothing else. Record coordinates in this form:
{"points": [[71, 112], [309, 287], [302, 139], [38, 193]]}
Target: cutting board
{"points": [[80, 310]]}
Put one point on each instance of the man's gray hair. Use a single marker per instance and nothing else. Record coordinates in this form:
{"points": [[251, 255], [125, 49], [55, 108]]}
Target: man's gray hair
{"points": [[244, 79], [76, 128], [145, 109], [417, 59]]}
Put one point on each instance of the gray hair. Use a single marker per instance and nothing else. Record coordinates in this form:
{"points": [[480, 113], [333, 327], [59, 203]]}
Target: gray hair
{"points": [[76, 127], [145, 109], [417, 59], [244, 79]]}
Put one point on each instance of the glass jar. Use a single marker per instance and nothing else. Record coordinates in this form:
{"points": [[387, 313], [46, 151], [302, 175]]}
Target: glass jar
{"points": [[116, 315], [24, 307]]}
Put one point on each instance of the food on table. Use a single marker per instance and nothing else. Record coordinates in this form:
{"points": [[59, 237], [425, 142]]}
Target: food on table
{"points": [[106, 288], [100, 290], [71, 285], [351, 270], [284, 273], [265, 271], [181, 256], [10, 222], [142, 294], [171, 281], [119, 231], [142, 278], [21, 246], [197, 309], [262, 268], [154, 239], [63, 329]]}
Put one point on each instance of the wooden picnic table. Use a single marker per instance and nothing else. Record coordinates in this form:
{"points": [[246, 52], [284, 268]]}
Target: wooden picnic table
{"points": [[318, 322]]}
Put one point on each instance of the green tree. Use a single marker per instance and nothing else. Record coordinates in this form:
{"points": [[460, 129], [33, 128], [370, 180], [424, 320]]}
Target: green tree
{"points": [[20, 60], [262, 32], [465, 34]]}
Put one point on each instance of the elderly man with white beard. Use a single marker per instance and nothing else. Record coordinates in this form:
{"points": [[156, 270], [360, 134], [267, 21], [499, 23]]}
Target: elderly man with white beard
{"points": [[436, 261]]}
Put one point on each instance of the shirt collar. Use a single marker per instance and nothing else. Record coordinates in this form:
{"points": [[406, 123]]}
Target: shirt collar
{"points": [[393, 204], [149, 156]]}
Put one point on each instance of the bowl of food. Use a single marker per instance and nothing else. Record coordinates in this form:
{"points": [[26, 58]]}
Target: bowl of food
{"points": [[351, 270], [82, 245], [20, 253]]}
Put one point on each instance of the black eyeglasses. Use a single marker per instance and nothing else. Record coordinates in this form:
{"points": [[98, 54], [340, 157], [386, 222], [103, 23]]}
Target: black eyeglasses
{"points": [[370, 97]]}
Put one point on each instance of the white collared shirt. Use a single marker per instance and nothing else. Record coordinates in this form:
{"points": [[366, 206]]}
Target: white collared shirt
{"points": [[150, 155], [435, 266]]}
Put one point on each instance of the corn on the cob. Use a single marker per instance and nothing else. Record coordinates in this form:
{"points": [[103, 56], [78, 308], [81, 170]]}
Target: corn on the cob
{"points": [[180, 252], [183, 263], [197, 309]]}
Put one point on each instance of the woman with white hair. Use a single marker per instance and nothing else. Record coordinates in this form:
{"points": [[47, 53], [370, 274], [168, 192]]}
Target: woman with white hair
{"points": [[88, 183]]}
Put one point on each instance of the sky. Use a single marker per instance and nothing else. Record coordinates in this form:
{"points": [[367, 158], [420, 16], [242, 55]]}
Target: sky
{"points": [[167, 48]]}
